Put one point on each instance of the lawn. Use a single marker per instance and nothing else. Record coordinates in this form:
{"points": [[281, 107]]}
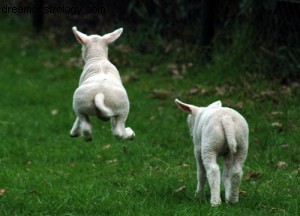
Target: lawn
{"points": [[45, 172]]}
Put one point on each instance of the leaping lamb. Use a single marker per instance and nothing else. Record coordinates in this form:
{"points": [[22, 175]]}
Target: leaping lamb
{"points": [[100, 92]]}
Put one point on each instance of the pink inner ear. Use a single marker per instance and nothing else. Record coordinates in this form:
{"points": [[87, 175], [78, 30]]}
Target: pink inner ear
{"points": [[185, 107], [110, 38], [79, 38]]}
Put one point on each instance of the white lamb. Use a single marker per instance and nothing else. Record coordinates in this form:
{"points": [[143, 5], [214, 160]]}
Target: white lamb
{"points": [[218, 131], [100, 92]]}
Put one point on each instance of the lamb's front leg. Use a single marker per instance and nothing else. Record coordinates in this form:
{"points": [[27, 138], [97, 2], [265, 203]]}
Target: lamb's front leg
{"points": [[201, 173], [75, 131], [119, 130]]}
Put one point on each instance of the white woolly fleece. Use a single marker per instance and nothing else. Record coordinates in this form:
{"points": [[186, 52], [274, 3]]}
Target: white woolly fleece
{"points": [[100, 92], [218, 131]]}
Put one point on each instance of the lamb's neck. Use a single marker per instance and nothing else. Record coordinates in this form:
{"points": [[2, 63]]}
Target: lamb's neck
{"points": [[95, 55], [94, 59], [91, 67]]}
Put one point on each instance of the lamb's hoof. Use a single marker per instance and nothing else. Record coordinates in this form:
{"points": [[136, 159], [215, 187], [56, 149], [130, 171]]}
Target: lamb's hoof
{"points": [[88, 139], [199, 195], [87, 136], [232, 201], [74, 135], [130, 134], [215, 203]]}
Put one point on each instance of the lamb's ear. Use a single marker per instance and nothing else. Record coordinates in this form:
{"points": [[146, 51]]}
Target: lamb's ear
{"points": [[111, 37], [81, 37], [216, 104], [186, 107]]}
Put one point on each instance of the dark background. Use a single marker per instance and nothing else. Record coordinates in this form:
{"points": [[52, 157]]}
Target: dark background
{"points": [[269, 30]]}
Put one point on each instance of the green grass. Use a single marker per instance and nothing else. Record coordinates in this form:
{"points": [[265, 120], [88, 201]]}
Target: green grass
{"points": [[45, 172]]}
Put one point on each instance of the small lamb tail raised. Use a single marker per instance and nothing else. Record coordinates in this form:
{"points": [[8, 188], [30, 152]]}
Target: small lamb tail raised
{"points": [[104, 113], [228, 126]]}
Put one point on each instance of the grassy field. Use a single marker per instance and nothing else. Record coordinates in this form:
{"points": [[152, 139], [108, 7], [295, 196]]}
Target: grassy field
{"points": [[45, 172]]}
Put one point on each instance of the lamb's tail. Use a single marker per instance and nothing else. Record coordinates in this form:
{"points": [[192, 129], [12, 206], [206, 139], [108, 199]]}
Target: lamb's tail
{"points": [[104, 113], [228, 126]]}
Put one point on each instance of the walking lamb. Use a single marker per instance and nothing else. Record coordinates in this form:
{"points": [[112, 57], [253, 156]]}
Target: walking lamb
{"points": [[218, 131], [100, 92]]}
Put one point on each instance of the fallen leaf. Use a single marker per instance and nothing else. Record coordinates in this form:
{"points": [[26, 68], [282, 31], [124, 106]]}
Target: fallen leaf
{"points": [[184, 165], [168, 47], [284, 146], [2, 191], [161, 93], [124, 48], [27, 162], [282, 164], [112, 161], [220, 91], [177, 70], [240, 105], [243, 193], [49, 64], [129, 78], [183, 69], [74, 62], [72, 164], [106, 147], [174, 70], [267, 93], [150, 68], [172, 66], [231, 103], [253, 175], [54, 112], [198, 90], [194, 91], [67, 50], [190, 64], [152, 118], [286, 90], [276, 124], [274, 113], [182, 188]]}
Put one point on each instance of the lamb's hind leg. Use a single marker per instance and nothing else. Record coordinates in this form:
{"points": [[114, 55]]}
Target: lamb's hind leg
{"points": [[119, 130], [85, 127], [226, 175], [75, 131], [236, 176], [213, 176], [201, 173]]}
